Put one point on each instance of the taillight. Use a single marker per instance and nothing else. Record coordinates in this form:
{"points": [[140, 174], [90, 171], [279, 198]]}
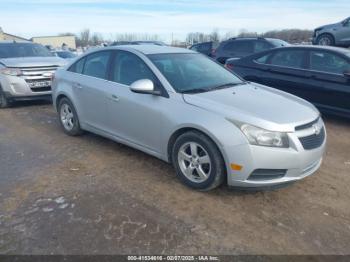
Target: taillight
{"points": [[229, 66]]}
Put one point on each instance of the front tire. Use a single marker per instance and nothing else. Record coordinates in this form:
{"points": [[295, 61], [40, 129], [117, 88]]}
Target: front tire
{"points": [[4, 103], [198, 161], [325, 40], [68, 118]]}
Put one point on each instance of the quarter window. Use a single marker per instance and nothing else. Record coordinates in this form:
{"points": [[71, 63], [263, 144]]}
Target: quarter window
{"points": [[78, 66], [328, 62], [263, 59], [96, 64], [288, 58], [129, 68]]}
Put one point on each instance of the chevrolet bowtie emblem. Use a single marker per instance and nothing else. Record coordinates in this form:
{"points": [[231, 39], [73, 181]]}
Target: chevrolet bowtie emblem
{"points": [[317, 129]]}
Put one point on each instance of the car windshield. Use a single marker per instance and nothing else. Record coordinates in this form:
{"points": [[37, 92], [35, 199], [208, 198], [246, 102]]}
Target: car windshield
{"points": [[65, 54], [279, 43], [189, 73], [13, 50]]}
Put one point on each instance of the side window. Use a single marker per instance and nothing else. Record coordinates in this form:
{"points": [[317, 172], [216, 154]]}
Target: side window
{"points": [[239, 46], [288, 58], [96, 64], [204, 47], [328, 62], [194, 48], [78, 66], [129, 68], [263, 59], [261, 46]]}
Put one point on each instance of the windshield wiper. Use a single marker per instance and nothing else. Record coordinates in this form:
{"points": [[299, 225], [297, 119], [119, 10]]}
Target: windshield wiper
{"points": [[226, 86], [194, 91]]}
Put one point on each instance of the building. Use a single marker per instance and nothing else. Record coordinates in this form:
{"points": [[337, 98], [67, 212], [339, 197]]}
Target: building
{"points": [[56, 41], [8, 37]]}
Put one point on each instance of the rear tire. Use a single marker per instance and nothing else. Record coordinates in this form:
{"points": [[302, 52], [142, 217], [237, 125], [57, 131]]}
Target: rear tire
{"points": [[198, 161], [68, 118], [325, 40], [4, 103]]}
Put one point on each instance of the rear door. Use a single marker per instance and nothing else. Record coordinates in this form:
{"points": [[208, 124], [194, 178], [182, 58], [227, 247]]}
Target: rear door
{"points": [[326, 77], [91, 89]]}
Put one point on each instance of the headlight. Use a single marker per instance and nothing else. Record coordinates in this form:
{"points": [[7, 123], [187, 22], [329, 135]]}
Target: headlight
{"points": [[11, 71], [261, 137]]}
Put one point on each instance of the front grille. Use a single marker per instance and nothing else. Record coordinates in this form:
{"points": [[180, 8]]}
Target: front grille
{"points": [[313, 141], [40, 74], [267, 174]]}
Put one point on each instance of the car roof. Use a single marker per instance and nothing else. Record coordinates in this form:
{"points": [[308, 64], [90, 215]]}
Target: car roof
{"points": [[152, 49], [329, 48]]}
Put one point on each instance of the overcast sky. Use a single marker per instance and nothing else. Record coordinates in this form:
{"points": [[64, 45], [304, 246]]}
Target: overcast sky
{"points": [[166, 17]]}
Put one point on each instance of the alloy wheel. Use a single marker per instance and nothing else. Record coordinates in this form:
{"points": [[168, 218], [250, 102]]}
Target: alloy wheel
{"points": [[194, 162], [67, 117]]}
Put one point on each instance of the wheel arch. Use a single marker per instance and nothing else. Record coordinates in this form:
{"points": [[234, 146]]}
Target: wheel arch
{"points": [[326, 33], [186, 129]]}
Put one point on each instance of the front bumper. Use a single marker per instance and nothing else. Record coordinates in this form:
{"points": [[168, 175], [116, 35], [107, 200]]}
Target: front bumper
{"points": [[17, 88], [295, 163]]}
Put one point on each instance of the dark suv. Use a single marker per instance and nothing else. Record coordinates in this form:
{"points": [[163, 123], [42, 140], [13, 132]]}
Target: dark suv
{"points": [[207, 48], [241, 47]]}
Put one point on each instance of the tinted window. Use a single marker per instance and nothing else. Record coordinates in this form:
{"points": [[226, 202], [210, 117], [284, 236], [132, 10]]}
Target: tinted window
{"points": [[328, 62], [129, 68], [78, 66], [190, 72], [23, 50], [239, 47], [194, 48], [261, 46], [288, 58], [263, 59], [204, 47], [96, 64]]}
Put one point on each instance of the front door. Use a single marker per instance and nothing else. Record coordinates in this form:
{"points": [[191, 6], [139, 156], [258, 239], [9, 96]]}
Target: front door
{"points": [[134, 117]]}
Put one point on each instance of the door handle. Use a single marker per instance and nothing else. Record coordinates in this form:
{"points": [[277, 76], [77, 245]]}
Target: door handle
{"points": [[77, 85], [115, 98]]}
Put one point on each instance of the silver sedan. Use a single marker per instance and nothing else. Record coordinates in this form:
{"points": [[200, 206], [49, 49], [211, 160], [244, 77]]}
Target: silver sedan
{"points": [[184, 108]]}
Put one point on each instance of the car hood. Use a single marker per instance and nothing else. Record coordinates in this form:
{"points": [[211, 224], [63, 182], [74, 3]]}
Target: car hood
{"points": [[257, 105], [33, 61], [326, 27]]}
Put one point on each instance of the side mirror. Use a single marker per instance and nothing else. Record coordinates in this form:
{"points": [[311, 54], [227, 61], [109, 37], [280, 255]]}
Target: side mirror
{"points": [[143, 86]]}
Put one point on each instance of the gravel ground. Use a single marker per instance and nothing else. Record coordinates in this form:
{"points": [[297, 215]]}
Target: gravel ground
{"points": [[89, 195]]}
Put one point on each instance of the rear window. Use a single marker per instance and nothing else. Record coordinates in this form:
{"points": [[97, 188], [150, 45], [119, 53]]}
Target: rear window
{"points": [[239, 46], [13, 50]]}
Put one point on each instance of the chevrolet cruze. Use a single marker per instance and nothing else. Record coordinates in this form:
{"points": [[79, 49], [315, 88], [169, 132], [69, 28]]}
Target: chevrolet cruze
{"points": [[186, 109]]}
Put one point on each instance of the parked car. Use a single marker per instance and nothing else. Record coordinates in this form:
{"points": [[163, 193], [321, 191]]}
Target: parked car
{"points": [[318, 74], [206, 48], [241, 47], [25, 71], [64, 54], [333, 35], [184, 108]]}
